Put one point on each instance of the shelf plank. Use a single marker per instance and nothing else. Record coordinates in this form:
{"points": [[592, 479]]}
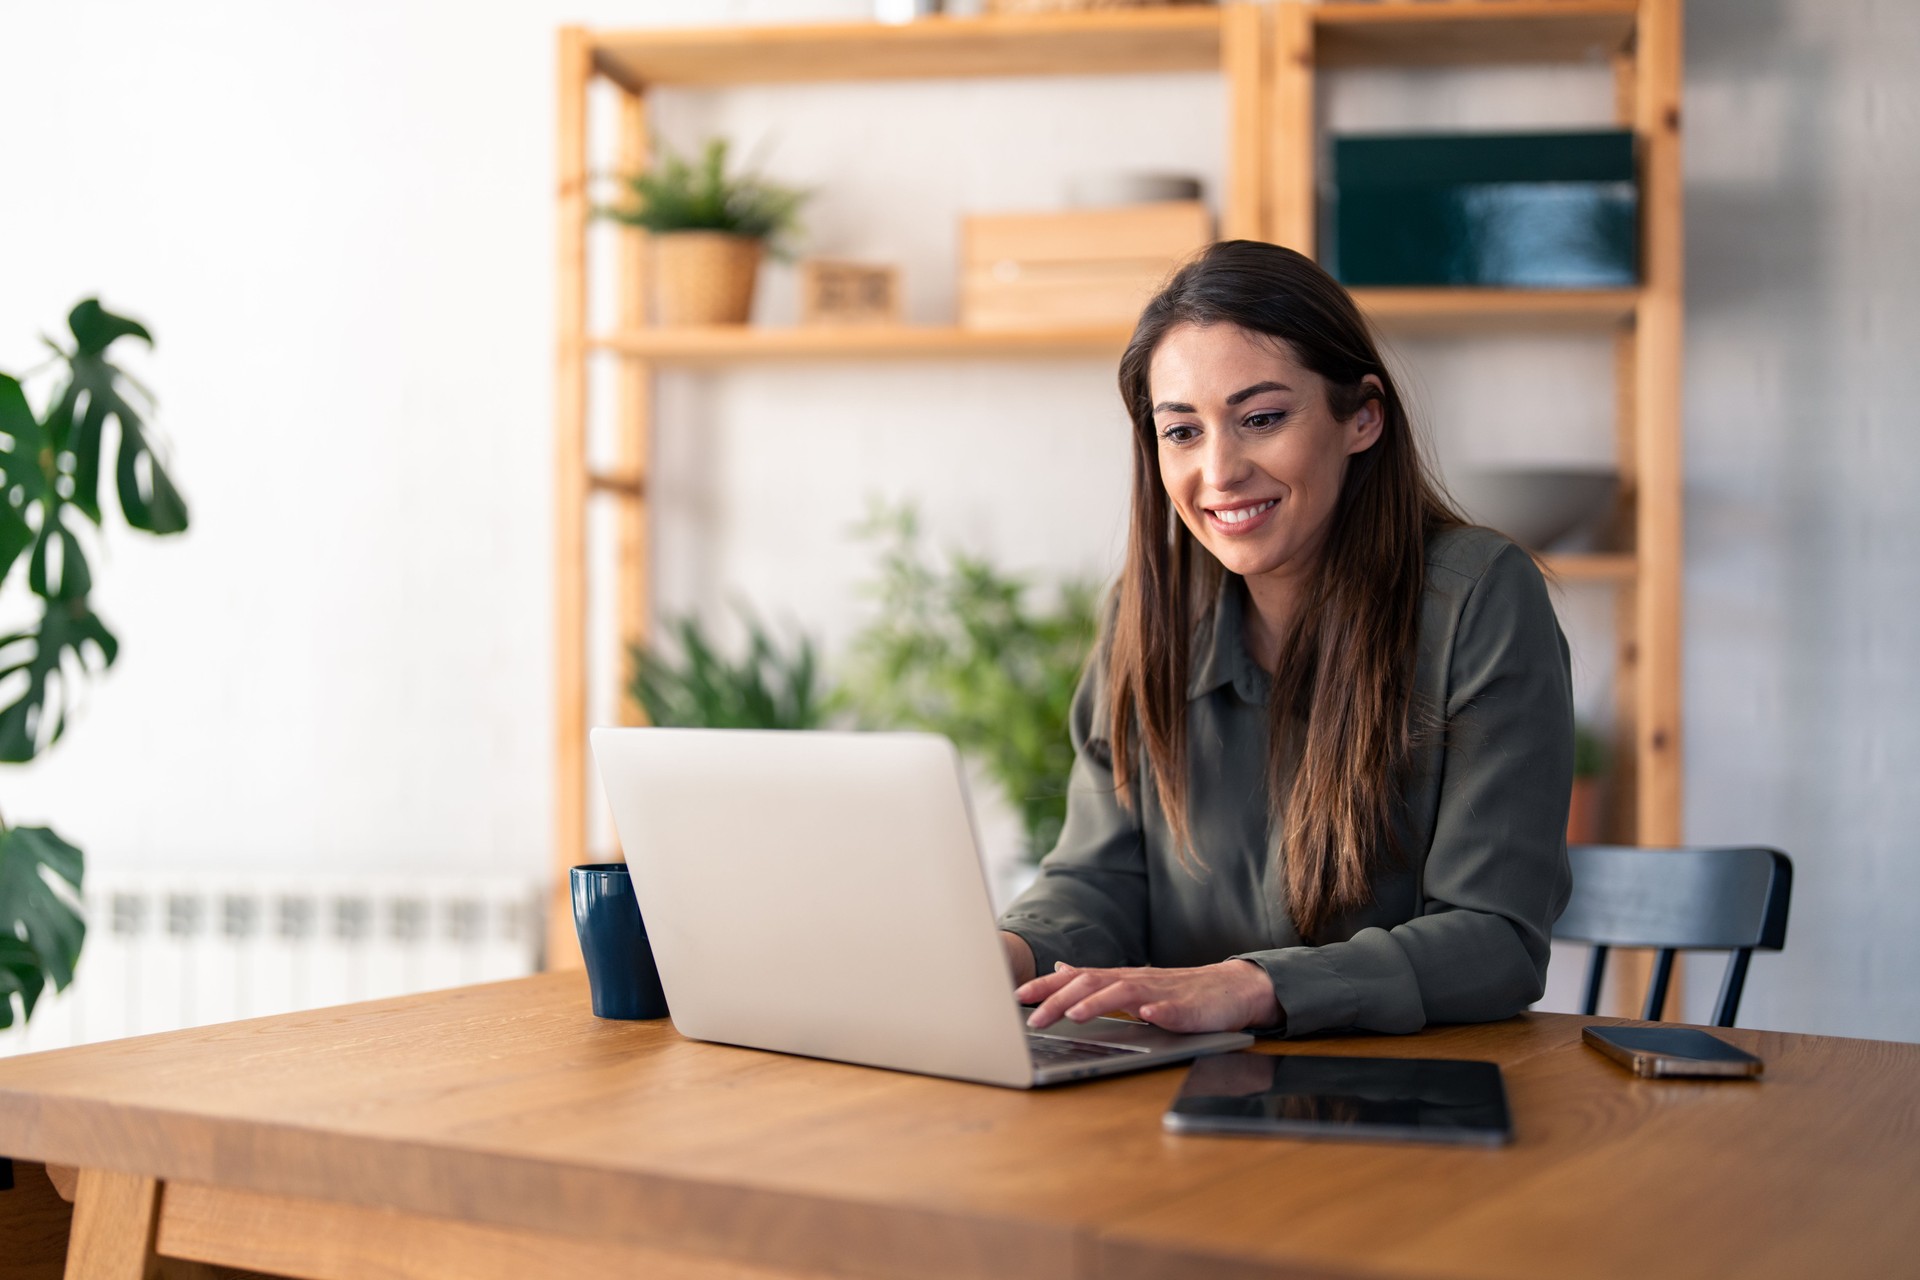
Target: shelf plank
{"points": [[1420, 311], [1618, 568], [1413, 33], [1478, 310], [1176, 38], [727, 344]]}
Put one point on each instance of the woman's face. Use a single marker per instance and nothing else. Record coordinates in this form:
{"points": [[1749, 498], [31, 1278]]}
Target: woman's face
{"points": [[1250, 453]]}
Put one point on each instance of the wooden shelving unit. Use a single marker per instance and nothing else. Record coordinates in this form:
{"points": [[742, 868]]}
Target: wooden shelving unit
{"points": [[1269, 56], [723, 344]]}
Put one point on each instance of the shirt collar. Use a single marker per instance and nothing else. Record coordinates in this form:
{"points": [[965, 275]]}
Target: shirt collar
{"points": [[1220, 655]]}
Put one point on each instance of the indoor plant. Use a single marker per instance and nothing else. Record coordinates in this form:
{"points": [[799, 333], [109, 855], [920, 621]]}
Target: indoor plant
{"points": [[710, 231], [700, 687], [1589, 763], [50, 467], [962, 649]]}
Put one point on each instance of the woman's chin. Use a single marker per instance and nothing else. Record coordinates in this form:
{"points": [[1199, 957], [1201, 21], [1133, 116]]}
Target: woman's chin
{"points": [[1242, 558]]}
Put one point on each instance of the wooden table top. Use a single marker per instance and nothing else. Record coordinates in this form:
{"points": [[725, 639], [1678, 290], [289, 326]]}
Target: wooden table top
{"points": [[510, 1104]]}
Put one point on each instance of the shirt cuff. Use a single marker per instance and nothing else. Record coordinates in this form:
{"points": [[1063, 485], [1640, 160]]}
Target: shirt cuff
{"points": [[1366, 983], [1311, 993], [1047, 943]]}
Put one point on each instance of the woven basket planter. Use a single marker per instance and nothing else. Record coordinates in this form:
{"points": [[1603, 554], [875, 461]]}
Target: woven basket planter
{"points": [[704, 277]]}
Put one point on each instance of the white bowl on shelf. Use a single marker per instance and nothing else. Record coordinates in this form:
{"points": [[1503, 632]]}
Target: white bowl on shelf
{"points": [[1106, 189], [1535, 506]]}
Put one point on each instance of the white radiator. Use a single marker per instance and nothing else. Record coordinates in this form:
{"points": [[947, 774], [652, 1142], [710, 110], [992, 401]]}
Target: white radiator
{"points": [[170, 951]]}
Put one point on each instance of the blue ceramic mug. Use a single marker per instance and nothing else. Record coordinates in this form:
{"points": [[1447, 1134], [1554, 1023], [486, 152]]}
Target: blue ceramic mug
{"points": [[620, 970]]}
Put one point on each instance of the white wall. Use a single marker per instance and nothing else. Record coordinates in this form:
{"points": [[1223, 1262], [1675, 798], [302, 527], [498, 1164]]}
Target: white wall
{"points": [[337, 219]]}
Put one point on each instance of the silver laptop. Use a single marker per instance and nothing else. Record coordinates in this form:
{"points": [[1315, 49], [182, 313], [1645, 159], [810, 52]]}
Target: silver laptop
{"points": [[823, 894]]}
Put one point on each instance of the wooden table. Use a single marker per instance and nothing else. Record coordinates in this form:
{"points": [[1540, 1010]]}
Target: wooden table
{"points": [[502, 1131]]}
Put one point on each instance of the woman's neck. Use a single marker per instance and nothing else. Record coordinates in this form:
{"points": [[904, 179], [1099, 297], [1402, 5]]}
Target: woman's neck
{"points": [[1272, 601]]}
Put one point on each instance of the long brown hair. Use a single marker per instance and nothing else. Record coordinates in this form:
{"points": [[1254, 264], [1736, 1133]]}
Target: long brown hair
{"points": [[1341, 718]]}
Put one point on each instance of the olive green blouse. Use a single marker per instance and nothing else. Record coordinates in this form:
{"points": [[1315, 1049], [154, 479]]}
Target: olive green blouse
{"points": [[1456, 934]]}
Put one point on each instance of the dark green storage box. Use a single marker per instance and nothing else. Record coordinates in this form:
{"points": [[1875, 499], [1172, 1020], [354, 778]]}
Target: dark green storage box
{"points": [[1532, 210]]}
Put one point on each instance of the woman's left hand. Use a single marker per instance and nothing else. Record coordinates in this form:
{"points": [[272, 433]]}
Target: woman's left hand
{"points": [[1215, 997]]}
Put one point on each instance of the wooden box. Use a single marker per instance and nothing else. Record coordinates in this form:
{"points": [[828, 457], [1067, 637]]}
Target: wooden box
{"points": [[1075, 266]]}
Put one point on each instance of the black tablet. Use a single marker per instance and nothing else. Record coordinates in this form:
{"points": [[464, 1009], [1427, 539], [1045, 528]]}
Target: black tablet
{"points": [[1302, 1096]]}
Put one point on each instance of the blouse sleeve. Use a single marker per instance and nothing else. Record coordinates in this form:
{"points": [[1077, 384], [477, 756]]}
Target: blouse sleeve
{"points": [[1495, 876], [1089, 904]]}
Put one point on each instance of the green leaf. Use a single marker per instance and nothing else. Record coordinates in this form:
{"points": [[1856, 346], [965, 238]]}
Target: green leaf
{"points": [[155, 506], [19, 471], [75, 581], [158, 507], [16, 415], [41, 929], [21, 975], [95, 328], [768, 688], [69, 640]]}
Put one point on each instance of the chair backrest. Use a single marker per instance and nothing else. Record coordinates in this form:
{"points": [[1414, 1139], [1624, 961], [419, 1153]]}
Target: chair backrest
{"points": [[1728, 899]]}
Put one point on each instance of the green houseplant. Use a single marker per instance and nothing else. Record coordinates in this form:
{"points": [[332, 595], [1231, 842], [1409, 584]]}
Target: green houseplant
{"points": [[690, 683], [1589, 766], [964, 649], [710, 230], [52, 464]]}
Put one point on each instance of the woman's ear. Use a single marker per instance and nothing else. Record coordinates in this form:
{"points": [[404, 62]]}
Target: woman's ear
{"points": [[1369, 420]]}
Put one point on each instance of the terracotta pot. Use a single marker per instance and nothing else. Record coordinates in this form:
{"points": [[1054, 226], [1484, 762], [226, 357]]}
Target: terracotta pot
{"points": [[1583, 815], [704, 277]]}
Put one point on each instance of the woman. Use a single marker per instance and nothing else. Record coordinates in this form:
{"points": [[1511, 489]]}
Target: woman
{"points": [[1324, 748]]}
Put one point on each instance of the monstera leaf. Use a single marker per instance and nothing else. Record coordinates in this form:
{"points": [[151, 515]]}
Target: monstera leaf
{"points": [[76, 426], [70, 642], [40, 927], [21, 446]]}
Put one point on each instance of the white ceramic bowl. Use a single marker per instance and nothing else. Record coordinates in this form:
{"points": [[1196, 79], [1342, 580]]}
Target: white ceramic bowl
{"points": [[1535, 506], [1105, 189]]}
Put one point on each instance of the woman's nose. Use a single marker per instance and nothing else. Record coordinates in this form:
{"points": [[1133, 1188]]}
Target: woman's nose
{"points": [[1223, 462]]}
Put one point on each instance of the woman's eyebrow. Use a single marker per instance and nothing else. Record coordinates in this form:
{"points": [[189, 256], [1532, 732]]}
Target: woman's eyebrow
{"points": [[1174, 406]]}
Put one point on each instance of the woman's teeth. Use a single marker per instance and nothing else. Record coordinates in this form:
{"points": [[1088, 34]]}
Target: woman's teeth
{"points": [[1243, 513]]}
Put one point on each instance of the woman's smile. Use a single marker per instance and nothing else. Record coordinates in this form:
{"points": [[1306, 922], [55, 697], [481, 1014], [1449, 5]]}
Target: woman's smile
{"points": [[1241, 519]]}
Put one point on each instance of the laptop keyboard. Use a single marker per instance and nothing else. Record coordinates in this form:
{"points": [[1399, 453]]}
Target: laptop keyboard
{"points": [[1052, 1051]]}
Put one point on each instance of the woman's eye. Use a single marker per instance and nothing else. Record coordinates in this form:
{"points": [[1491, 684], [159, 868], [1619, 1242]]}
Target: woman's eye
{"points": [[1178, 433], [1266, 421]]}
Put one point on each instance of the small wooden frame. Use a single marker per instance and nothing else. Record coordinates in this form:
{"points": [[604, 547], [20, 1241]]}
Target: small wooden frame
{"points": [[834, 292]]}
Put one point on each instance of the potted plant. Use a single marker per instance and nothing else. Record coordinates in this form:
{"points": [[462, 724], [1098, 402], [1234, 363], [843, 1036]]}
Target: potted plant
{"points": [[50, 472], [700, 687], [962, 649], [1589, 763], [709, 233]]}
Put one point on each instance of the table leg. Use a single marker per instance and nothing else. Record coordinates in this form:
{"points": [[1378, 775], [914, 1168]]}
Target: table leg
{"points": [[114, 1219]]}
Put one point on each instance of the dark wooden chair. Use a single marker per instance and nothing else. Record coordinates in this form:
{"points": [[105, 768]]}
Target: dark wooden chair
{"points": [[1677, 900]]}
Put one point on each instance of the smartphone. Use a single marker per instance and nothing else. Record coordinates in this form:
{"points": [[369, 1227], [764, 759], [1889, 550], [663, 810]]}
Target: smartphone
{"points": [[1672, 1051]]}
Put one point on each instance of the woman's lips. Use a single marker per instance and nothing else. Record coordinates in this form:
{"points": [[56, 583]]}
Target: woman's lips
{"points": [[1250, 518]]}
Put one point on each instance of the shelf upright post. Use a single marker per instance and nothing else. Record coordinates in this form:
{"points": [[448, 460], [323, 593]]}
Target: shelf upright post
{"points": [[1244, 62], [1621, 822], [1657, 426], [575, 69], [636, 412], [1647, 771], [1292, 150]]}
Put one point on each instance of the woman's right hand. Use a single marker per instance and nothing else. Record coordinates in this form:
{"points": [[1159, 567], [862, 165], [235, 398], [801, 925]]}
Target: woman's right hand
{"points": [[1019, 957]]}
